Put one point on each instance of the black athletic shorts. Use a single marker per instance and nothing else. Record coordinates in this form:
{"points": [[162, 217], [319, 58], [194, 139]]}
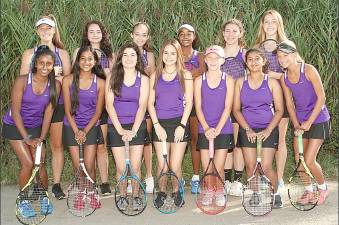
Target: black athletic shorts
{"points": [[222, 141], [271, 142], [170, 125], [93, 137]]}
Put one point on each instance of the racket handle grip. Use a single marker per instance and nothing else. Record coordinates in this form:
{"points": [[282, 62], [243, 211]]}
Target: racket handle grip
{"points": [[38, 154], [211, 148], [164, 147], [300, 144], [81, 153], [259, 146], [126, 150]]}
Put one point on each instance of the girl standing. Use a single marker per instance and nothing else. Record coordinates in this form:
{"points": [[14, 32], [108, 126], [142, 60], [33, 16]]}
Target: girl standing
{"points": [[48, 33], [169, 105], [307, 111]]}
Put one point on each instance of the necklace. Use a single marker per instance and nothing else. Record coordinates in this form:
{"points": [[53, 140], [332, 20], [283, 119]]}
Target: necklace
{"points": [[170, 73]]}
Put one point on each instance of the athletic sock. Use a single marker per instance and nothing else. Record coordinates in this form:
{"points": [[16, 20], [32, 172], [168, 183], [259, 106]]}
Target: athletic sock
{"points": [[228, 174], [237, 175], [195, 177]]}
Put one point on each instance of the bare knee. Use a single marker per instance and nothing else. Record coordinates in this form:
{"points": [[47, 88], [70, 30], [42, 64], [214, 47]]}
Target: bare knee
{"points": [[267, 167]]}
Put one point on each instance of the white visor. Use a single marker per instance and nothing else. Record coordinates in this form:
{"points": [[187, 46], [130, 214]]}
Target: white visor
{"points": [[187, 26], [45, 21]]}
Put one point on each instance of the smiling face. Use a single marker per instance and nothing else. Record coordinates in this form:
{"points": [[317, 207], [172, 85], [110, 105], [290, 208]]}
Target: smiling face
{"points": [[94, 33], [270, 25], [170, 55], [186, 37], [255, 62], [86, 61], [214, 61], [232, 34], [44, 64], [286, 59], [46, 32], [129, 58], [140, 35]]}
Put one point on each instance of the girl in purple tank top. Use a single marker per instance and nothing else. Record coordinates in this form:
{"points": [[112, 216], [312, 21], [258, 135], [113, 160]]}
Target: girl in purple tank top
{"points": [[307, 111], [169, 105], [84, 92], [127, 93], [95, 35], [272, 27], [213, 96], [234, 48], [25, 125], [253, 108], [48, 33], [194, 62]]}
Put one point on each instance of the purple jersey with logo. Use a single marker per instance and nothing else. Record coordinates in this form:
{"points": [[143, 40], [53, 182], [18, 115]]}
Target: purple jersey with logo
{"points": [[235, 66], [193, 62], [169, 98], [87, 104], [257, 105], [32, 106], [126, 105], [305, 98], [213, 104]]}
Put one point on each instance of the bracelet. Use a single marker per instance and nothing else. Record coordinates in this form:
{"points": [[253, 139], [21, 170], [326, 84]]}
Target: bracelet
{"points": [[28, 137], [247, 129], [182, 125], [155, 123]]}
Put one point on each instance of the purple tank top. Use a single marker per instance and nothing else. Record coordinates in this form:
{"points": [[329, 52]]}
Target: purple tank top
{"points": [[126, 105], [144, 58], [169, 98], [235, 66], [257, 105], [273, 63], [213, 104], [32, 106], [87, 104], [193, 62], [305, 98]]}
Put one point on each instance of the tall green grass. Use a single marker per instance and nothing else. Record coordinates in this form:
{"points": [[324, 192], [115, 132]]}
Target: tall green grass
{"points": [[311, 24]]}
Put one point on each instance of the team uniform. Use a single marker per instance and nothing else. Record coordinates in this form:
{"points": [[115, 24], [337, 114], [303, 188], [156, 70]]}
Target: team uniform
{"points": [[126, 106], [32, 112], [85, 112], [169, 107], [305, 98], [213, 105], [257, 109]]}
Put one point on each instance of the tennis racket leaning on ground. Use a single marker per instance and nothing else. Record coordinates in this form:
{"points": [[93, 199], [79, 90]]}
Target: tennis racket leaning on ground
{"points": [[134, 203], [302, 188], [83, 197], [168, 194], [33, 203], [212, 197], [258, 192]]}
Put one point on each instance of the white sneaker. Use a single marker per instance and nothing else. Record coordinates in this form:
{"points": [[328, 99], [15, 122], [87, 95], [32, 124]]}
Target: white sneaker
{"points": [[227, 186], [149, 185], [129, 187], [220, 199], [236, 189], [281, 187]]}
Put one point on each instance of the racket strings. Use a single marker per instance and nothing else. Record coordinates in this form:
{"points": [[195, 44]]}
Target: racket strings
{"points": [[303, 192], [234, 67], [258, 196], [269, 47], [33, 204]]}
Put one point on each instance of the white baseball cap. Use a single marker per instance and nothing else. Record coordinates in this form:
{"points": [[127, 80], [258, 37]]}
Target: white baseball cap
{"points": [[45, 21], [186, 26]]}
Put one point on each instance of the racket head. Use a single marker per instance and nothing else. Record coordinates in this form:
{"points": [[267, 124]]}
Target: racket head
{"points": [[32, 203], [303, 191], [212, 197], [83, 196], [234, 67], [258, 195], [130, 203], [269, 45]]}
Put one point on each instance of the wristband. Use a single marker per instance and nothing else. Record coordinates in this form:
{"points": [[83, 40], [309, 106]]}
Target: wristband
{"points": [[247, 129], [155, 123], [182, 125]]}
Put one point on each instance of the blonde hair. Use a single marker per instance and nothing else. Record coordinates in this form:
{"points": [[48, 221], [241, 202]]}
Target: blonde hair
{"points": [[241, 40], [180, 62], [292, 44], [56, 37], [261, 36]]}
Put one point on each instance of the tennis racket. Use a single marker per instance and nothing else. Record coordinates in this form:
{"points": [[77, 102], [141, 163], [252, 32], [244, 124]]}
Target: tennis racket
{"points": [[134, 203], [33, 203], [269, 47], [83, 197], [234, 67], [168, 194], [212, 198], [302, 190], [103, 59], [258, 192]]}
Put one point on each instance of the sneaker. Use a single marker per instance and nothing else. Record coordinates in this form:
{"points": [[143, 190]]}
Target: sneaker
{"points": [[129, 187], [307, 197], [94, 201], [227, 186], [178, 201], [277, 204], [323, 194], [105, 189], [207, 198], [255, 199], [220, 199], [149, 185], [57, 191], [25, 209], [236, 189], [195, 187], [46, 206], [137, 203], [122, 203], [160, 200], [79, 202]]}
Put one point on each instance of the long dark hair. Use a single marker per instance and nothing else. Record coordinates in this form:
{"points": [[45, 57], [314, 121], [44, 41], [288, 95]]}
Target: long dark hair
{"points": [[261, 54], [117, 77], [105, 45], [41, 51], [97, 70]]}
